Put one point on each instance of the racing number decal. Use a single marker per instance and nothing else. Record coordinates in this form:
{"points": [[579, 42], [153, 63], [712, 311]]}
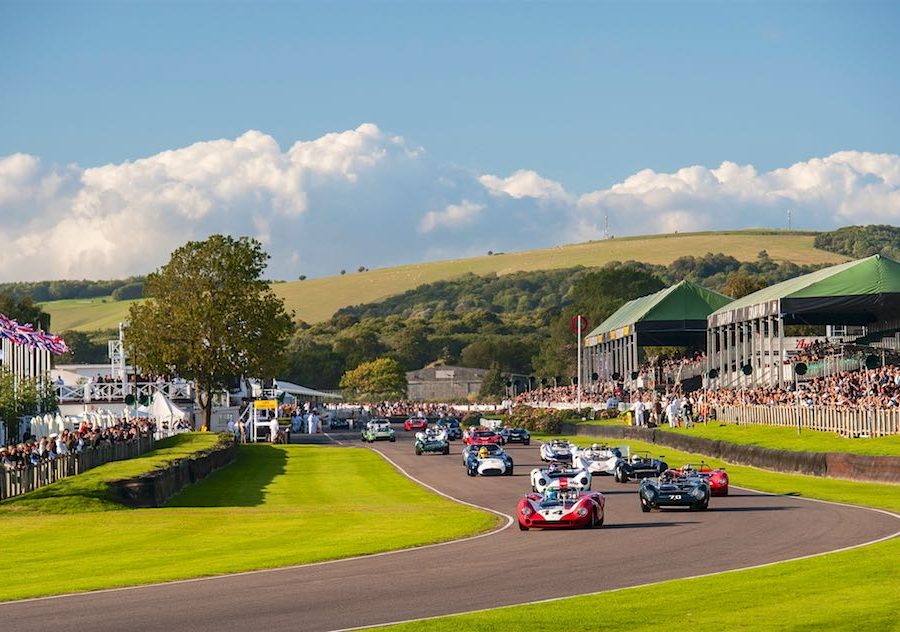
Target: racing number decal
{"points": [[676, 496]]}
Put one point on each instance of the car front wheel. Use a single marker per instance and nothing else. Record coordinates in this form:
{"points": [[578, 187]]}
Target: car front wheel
{"points": [[645, 506]]}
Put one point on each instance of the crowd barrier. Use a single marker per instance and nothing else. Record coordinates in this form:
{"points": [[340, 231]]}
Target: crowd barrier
{"points": [[850, 422], [21, 481]]}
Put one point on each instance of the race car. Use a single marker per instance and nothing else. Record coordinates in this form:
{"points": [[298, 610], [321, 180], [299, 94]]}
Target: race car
{"points": [[487, 460], [559, 478], [561, 510], [481, 436], [340, 423], [451, 425], [417, 423], [674, 490], [378, 430], [557, 451], [640, 465], [515, 435], [432, 439], [717, 478], [598, 459]]}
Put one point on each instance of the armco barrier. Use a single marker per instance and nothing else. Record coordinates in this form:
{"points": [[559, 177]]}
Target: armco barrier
{"points": [[857, 467], [155, 488]]}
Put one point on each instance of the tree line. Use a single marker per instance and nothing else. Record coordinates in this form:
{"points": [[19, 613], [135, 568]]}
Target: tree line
{"points": [[42, 291], [862, 241]]}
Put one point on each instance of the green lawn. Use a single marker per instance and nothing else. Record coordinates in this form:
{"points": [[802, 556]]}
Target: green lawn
{"points": [[853, 589], [315, 300], [275, 506], [788, 439]]}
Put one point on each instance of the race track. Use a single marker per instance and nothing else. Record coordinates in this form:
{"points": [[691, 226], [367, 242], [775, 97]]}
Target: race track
{"points": [[508, 567]]}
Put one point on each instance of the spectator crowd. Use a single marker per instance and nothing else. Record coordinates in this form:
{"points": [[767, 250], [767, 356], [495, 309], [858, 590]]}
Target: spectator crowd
{"points": [[35, 450]]}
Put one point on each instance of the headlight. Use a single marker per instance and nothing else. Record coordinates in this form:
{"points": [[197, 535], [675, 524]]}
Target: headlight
{"points": [[584, 481], [698, 492], [526, 511], [543, 481], [582, 512]]}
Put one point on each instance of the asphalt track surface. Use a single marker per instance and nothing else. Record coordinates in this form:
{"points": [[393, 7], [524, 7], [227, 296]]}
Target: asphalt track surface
{"points": [[507, 567]]}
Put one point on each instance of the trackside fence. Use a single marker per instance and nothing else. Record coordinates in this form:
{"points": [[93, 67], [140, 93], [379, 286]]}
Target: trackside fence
{"points": [[852, 422], [21, 481]]}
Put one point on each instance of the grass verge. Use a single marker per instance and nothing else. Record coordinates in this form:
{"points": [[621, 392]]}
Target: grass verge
{"points": [[275, 506], [838, 591], [787, 439]]}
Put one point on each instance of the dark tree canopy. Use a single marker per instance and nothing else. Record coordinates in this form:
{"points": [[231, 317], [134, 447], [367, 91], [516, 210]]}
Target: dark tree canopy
{"points": [[210, 316]]}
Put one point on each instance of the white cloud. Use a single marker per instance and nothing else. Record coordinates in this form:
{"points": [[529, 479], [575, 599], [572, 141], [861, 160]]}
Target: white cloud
{"points": [[525, 184], [364, 197], [453, 216]]}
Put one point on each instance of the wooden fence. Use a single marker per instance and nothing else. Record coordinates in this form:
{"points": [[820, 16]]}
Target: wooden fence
{"points": [[21, 481], [850, 422]]}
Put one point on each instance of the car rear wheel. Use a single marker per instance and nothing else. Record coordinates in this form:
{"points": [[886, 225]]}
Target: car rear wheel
{"points": [[446, 450], [418, 451]]}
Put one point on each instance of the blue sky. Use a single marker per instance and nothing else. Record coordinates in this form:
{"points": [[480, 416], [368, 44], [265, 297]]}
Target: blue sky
{"points": [[584, 94]]}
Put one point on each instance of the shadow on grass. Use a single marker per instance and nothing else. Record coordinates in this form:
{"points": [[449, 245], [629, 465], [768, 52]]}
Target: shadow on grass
{"points": [[241, 484]]}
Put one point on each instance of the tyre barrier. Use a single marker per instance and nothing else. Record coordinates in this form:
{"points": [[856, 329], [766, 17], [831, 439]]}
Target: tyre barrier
{"points": [[855, 467], [154, 488]]}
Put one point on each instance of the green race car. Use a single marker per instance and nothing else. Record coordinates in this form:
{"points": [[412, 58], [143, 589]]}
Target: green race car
{"points": [[378, 430], [433, 440]]}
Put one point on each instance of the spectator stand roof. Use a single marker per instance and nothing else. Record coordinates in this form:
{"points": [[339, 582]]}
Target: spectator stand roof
{"points": [[858, 292], [676, 315]]}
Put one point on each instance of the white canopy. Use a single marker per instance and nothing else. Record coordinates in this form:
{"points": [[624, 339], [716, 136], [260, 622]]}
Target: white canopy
{"points": [[302, 391]]}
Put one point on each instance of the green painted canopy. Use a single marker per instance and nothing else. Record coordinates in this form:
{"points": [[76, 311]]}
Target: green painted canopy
{"points": [[853, 293], [676, 315]]}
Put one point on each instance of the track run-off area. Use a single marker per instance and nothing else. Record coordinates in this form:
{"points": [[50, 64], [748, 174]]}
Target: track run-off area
{"points": [[503, 567]]}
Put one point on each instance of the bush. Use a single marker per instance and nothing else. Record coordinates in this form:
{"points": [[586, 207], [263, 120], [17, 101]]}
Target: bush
{"points": [[543, 420]]}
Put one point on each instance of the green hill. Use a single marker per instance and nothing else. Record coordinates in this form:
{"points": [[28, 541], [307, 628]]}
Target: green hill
{"points": [[315, 300]]}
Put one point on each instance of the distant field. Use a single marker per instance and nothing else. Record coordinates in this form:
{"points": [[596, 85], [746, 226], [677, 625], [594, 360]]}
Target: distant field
{"points": [[315, 300], [89, 314]]}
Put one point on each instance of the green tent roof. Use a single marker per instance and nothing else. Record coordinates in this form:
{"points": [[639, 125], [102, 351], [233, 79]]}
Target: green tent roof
{"points": [[829, 290], [684, 301]]}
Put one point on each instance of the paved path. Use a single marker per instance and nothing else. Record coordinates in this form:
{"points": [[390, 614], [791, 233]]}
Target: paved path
{"points": [[505, 568]]}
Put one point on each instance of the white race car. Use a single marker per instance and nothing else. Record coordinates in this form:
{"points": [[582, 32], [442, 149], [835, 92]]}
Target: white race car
{"points": [[598, 459], [560, 478], [432, 433], [558, 451], [487, 460]]}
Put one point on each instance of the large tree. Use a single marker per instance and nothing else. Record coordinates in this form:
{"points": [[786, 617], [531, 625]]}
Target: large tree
{"points": [[379, 379], [209, 316]]}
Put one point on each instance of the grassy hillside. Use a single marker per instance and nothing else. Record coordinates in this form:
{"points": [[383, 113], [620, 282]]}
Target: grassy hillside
{"points": [[89, 314], [315, 300]]}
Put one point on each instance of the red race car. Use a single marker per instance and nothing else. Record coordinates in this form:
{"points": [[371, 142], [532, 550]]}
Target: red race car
{"points": [[562, 509], [717, 478], [417, 423], [480, 436]]}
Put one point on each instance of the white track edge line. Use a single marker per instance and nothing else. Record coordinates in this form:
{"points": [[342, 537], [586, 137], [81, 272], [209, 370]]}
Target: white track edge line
{"points": [[174, 582], [662, 581]]}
